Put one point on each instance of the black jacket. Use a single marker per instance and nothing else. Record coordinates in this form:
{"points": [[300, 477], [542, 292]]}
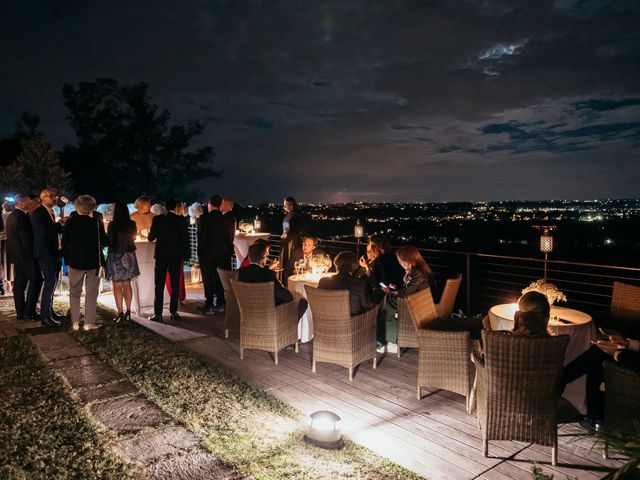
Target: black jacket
{"points": [[19, 237], [215, 236], [359, 290], [80, 246], [253, 273], [386, 269], [172, 238], [45, 234]]}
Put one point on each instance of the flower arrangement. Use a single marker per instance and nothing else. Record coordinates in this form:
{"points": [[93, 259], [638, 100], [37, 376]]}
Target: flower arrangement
{"points": [[320, 263], [195, 210], [548, 289]]}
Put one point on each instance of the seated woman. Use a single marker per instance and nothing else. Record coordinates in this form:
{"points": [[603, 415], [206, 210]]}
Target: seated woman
{"points": [[381, 266], [346, 264], [418, 276], [532, 316]]}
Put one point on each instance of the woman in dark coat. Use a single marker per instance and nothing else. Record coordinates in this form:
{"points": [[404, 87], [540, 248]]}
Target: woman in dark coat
{"points": [[122, 264], [292, 229], [417, 276]]}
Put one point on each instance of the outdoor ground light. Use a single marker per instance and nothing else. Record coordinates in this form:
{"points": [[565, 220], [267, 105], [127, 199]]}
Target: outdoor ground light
{"points": [[324, 430], [257, 224]]}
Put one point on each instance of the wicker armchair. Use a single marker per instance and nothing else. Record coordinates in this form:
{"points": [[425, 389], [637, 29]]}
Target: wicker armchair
{"points": [[338, 337], [518, 381], [444, 358], [406, 330], [263, 326], [231, 312], [621, 400], [625, 301]]}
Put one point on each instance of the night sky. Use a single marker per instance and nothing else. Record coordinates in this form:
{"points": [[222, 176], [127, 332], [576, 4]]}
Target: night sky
{"points": [[359, 100]]}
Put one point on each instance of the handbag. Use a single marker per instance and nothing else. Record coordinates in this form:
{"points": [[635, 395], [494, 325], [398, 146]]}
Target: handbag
{"points": [[101, 272]]}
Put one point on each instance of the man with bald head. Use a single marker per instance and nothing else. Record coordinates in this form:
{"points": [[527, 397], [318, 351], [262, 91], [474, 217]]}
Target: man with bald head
{"points": [[20, 253], [47, 252]]}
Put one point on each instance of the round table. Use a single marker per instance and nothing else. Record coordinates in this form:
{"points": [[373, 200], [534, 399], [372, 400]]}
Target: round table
{"points": [[578, 325], [296, 285], [242, 242]]}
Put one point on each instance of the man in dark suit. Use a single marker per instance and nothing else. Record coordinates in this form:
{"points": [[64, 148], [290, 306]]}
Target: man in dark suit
{"points": [[47, 252], [215, 248], [20, 253], [307, 250], [359, 289], [171, 235], [258, 272]]}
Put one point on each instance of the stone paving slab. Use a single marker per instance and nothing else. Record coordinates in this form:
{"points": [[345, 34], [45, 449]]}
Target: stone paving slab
{"points": [[106, 392], [128, 413], [77, 362], [62, 353], [90, 376], [150, 445], [193, 466], [54, 341]]}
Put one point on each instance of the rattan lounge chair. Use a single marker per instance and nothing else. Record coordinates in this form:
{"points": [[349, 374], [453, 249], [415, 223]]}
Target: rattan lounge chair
{"points": [[263, 326], [231, 312], [625, 301], [621, 400], [518, 381], [444, 357], [338, 337], [406, 330]]}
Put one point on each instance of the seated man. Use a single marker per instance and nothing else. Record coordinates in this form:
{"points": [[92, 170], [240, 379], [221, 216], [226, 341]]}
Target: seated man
{"points": [[305, 253], [624, 351], [258, 272], [359, 289]]}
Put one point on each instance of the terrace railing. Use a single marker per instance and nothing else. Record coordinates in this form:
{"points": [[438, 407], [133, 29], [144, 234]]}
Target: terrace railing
{"points": [[492, 279]]}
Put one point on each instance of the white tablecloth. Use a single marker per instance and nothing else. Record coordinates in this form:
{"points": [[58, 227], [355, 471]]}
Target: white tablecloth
{"points": [[242, 241], [143, 285], [581, 331], [296, 285]]}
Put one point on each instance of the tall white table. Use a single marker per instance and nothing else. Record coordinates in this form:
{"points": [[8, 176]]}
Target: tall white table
{"points": [[296, 285], [242, 242], [143, 286], [578, 325]]}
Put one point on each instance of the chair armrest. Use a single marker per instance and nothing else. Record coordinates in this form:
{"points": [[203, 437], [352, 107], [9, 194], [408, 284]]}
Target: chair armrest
{"points": [[287, 311], [364, 320], [477, 356]]}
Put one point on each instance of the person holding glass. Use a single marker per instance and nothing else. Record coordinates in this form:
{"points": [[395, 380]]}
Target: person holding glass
{"points": [[122, 264]]}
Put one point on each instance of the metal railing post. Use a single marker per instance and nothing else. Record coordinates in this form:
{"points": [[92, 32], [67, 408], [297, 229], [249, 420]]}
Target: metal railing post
{"points": [[468, 283]]}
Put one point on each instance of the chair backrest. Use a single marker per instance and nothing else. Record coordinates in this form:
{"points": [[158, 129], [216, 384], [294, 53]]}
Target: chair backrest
{"points": [[625, 301], [622, 399], [255, 300], [422, 310], [330, 309], [523, 371], [225, 278], [449, 294]]}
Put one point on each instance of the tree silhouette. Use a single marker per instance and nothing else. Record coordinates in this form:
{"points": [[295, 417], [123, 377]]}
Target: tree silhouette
{"points": [[126, 146], [38, 166]]}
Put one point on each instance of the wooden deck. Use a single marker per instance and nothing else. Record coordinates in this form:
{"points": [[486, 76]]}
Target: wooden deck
{"points": [[433, 437]]}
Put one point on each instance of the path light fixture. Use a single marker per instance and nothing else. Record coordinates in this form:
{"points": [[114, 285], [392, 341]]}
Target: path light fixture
{"points": [[358, 232], [546, 247], [324, 430]]}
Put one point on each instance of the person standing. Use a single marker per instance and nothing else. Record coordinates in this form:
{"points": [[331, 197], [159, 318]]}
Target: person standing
{"points": [[172, 247], [142, 216], [20, 253], [122, 263], [292, 229], [215, 247], [47, 252], [83, 237]]}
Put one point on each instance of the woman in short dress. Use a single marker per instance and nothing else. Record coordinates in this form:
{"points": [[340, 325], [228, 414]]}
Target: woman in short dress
{"points": [[122, 264]]}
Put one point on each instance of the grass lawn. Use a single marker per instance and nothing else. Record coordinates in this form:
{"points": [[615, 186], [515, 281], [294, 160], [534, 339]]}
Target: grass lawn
{"points": [[44, 432], [245, 427]]}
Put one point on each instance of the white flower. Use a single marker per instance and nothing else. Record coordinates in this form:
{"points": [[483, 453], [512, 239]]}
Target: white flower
{"points": [[548, 289]]}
